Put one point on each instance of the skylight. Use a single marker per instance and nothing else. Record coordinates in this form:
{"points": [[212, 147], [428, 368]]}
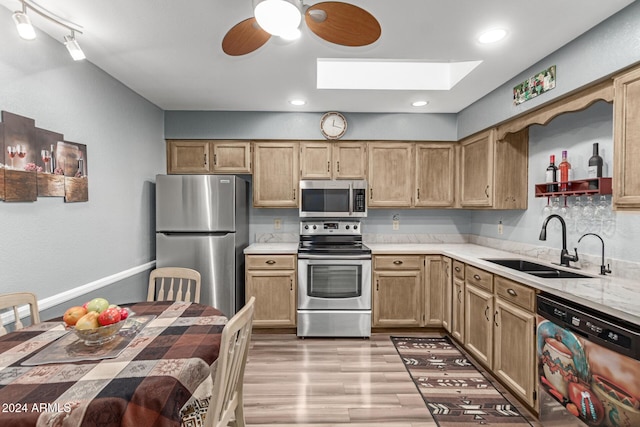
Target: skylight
{"points": [[391, 74]]}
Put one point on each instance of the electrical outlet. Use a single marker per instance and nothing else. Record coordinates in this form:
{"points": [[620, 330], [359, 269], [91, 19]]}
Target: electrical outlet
{"points": [[396, 224], [277, 224], [500, 228]]}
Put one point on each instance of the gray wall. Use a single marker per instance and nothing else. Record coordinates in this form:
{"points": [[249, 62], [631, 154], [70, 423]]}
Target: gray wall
{"points": [[55, 248], [607, 48]]}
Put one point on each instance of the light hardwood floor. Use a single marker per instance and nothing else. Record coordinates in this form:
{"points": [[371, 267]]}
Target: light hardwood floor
{"points": [[330, 382]]}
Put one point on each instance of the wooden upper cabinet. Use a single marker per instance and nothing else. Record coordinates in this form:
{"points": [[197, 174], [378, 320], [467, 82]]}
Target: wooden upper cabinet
{"points": [[275, 174], [494, 173], [231, 157], [349, 160], [333, 160], [207, 156], [187, 157], [476, 168], [435, 173], [390, 174], [626, 141]]}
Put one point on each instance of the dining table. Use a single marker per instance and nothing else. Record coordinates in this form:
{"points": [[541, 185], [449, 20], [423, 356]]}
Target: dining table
{"points": [[156, 371]]}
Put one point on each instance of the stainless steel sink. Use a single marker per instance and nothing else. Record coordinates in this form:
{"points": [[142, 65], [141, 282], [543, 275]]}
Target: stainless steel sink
{"points": [[538, 270]]}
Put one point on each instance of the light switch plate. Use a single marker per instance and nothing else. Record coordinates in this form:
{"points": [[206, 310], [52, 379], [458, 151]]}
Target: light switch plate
{"points": [[396, 224], [277, 224]]}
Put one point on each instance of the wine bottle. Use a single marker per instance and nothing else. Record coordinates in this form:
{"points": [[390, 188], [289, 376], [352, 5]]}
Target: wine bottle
{"points": [[552, 175], [595, 167], [53, 159], [565, 172]]}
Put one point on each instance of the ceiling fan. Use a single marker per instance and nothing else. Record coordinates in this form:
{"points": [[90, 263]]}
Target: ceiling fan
{"points": [[336, 22]]}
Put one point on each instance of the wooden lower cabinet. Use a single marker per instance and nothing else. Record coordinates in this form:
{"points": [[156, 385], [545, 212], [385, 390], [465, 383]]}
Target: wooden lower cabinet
{"points": [[447, 285], [434, 291], [457, 309], [272, 280], [514, 349], [397, 291], [478, 325]]}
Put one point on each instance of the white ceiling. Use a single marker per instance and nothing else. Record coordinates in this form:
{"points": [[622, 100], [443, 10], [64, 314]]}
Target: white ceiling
{"points": [[170, 52]]}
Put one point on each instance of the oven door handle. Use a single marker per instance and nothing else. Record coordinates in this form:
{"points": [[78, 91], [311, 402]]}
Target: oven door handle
{"points": [[333, 257]]}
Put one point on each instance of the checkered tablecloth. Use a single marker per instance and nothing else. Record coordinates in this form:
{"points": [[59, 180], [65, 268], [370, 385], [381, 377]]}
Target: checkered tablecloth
{"points": [[164, 369]]}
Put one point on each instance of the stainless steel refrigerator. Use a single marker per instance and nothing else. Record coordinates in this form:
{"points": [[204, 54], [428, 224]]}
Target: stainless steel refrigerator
{"points": [[202, 222]]}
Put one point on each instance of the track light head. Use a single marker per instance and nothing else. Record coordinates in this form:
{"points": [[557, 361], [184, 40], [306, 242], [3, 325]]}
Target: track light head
{"points": [[23, 24], [73, 47]]}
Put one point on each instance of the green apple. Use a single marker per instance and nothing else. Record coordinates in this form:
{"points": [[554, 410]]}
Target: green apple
{"points": [[98, 305]]}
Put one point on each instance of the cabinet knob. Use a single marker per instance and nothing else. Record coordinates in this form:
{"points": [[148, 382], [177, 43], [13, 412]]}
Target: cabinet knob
{"points": [[397, 262], [486, 191], [475, 276], [270, 261], [486, 313], [495, 318], [512, 292], [457, 269]]}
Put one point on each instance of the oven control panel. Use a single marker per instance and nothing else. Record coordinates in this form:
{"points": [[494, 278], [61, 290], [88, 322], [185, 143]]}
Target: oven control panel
{"points": [[318, 227]]}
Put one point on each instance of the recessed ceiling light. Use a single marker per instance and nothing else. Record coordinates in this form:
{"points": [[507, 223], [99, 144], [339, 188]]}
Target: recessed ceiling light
{"points": [[492, 36], [297, 102], [419, 103]]}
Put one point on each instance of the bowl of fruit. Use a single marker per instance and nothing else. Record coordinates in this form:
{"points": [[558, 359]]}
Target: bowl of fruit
{"points": [[96, 322]]}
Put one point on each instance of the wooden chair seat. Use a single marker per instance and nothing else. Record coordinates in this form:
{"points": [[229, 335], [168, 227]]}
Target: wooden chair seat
{"points": [[174, 284], [16, 300]]}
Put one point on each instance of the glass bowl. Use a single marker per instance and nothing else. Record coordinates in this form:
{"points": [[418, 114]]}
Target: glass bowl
{"points": [[100, 335]]}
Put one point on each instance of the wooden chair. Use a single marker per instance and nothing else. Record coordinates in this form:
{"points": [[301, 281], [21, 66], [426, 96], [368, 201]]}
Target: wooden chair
{"points": [[16, 300], [227, 405], [174, 284]]}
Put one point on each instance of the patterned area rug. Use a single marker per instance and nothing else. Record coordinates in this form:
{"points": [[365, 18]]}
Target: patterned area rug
{"points": [[455, 391]]}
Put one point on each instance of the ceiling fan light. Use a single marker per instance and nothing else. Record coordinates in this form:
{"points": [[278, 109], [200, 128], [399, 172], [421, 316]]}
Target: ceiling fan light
{"points": [[291, 35], [23, 24], [277, 17]]}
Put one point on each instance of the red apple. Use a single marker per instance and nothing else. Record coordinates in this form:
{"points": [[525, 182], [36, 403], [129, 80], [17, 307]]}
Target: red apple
{"points": [[73, 314], [109, 316]]}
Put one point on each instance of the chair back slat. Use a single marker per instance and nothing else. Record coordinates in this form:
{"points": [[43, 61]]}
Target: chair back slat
{"points": [[182, 284], [16, 300]]}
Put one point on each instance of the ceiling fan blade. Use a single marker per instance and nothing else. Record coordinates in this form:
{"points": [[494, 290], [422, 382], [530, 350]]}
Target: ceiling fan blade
{"points": [[345, 24], [244, 37]]}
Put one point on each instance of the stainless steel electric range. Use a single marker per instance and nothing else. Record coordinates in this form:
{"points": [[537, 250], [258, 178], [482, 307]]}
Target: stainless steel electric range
{"points": [[334, 280]]}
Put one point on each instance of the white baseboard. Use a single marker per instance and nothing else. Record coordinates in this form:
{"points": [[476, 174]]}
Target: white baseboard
{"points": [[65, 296]]}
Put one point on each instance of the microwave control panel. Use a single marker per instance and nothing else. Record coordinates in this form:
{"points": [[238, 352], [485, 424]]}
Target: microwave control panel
{"points": [[359, 195]]}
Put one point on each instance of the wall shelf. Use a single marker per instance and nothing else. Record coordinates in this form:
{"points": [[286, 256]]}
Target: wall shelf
{"points": [[578, 188]]}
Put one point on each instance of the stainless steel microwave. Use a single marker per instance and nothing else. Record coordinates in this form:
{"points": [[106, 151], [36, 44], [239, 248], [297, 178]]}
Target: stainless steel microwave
{"points": [[333, 199]]}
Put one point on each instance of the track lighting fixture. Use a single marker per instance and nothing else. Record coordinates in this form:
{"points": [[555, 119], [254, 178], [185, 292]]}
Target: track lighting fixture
{"points": [[23, 24], [73, 47], [26, 31]]}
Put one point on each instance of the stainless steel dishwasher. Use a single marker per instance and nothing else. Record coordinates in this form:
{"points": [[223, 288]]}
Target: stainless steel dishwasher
{"points": [[589, 366]]}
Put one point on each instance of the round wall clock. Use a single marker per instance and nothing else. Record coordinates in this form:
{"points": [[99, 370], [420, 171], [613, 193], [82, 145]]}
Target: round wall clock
{"points": [[333, 125]]}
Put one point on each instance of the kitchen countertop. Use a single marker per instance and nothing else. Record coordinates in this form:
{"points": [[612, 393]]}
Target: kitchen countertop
{"points": [[611, 295]]}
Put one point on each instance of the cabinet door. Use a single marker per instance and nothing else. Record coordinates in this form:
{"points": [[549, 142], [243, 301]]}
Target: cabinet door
{"points": [[478, 324], [447, 281], [435, 174], [390, 174], [476, 170], [397, 298], [275, 174], [434, 290], [514, 349], [349, 160], [231, 157], [275, 292], [457, 310], [315, 160], [626, 141], [187, 157]]}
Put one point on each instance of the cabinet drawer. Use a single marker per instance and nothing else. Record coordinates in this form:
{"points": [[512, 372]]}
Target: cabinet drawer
{"points": [[271, 262], [516, 293], [458, 269], [400, 262], [479, 278]]}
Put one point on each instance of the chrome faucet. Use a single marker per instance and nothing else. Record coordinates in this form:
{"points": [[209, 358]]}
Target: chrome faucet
{"points": [[603, 270], [565, 257]]}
